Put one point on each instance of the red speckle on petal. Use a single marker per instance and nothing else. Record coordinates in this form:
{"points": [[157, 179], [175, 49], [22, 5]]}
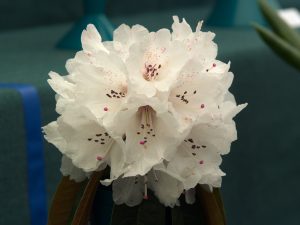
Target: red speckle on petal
{"points": [[142, 142], [99, 158], [201, 162], [202, 106], [105, 109], [214, 65]]}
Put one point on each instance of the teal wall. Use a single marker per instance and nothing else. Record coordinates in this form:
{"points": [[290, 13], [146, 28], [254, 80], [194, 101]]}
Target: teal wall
{"points": [[25, 13]]}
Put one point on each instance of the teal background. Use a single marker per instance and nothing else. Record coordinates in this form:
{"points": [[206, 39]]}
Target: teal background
{"points": [[26, 13], [261, 186]]}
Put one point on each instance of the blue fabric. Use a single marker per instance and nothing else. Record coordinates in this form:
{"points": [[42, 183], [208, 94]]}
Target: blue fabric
{"points": [[35, 154]]}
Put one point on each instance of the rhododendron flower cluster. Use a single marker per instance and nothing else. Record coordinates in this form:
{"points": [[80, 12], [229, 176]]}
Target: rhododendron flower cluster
{"points": [[153, 106]]}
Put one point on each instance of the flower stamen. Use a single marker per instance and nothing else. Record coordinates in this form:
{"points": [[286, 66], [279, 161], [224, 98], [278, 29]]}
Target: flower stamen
{"points": [[146, 197], [146, 126]]}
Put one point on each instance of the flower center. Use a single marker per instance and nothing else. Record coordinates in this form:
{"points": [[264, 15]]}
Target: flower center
{"points": [[146, 130], [151, 72]]}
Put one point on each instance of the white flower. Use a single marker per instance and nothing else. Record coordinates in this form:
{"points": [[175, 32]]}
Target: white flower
{"points": [[77, 135], [151, 134], [154, 106], [132, 190], [153, 64], [198, 158], [200, 87]]}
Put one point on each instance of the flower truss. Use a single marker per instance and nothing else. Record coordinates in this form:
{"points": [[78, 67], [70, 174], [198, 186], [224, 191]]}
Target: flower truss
{"points": [[153, 106]]}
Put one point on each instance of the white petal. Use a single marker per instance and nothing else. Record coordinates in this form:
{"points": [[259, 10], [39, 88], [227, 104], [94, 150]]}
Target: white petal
{"points": [[85, 142], [150, 138], [91, 40], [181, 30], [128, 191], [166, 188], [190, 196], [61, 85], [68, 169]]}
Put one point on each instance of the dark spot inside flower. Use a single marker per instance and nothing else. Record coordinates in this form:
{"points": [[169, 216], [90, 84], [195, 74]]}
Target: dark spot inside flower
{"points": [[108, 95], [185, 92], [193, 146], [153, 135], [191, 140], [195, 92], [98, 135], [102, 143], [96, 140], [194, 153], [138, 133], [178, 96], [203, 146], [89, 139]]}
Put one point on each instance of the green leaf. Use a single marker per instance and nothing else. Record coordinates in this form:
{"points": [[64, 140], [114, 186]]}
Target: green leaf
{"points": [[212, 206], [149, 212], [82, 214], [187, 214], [282, 48], [64, 201], [279, 26]]}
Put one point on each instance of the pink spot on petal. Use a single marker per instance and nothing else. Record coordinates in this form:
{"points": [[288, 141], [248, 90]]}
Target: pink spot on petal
{"points": [[201, 162], [99, 158], [105, 109], [214, 65], [202, 106], [142, 142]]}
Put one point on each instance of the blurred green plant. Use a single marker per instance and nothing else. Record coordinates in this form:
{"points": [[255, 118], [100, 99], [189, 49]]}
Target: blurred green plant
{"points": [[284, 40]]}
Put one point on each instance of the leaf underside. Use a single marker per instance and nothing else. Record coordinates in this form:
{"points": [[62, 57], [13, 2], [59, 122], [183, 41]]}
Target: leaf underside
{"points": [[64, 201], [82, 214], [212, 206]]}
